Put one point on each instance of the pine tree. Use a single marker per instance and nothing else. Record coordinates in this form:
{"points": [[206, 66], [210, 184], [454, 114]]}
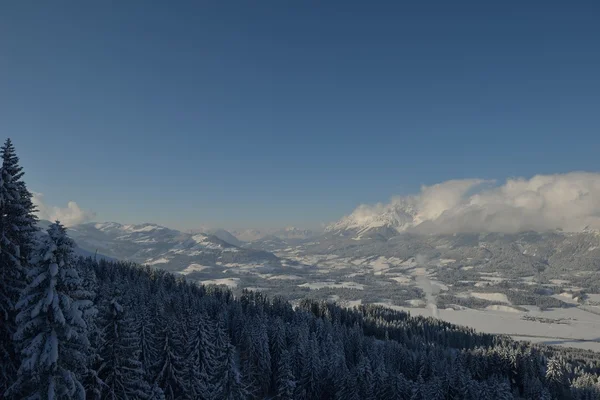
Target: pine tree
{"points": [[200, 364], [22, 210], [120, 371], [285, 383], [364, 378], [92, 383], [17, 240], [145, 330], [308, 385], [10, 283], [169, 375], [230, 386], [555, 375], [277, 345], [51, 329]]}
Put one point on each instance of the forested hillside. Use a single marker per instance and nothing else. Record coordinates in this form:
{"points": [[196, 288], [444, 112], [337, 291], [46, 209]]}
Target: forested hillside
{"points": [[75, 328]]}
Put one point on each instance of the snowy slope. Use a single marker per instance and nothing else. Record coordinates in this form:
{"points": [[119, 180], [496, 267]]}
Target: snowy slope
{"points": [[162, 247], [291, 232], [394, 217]]}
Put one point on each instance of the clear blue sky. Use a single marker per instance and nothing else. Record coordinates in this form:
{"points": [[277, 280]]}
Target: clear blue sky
{"points": [[270, 113]]}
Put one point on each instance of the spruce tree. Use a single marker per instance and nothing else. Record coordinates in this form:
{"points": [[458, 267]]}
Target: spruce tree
{"points": [[231, 386], [199, 362], [93, 384], [21, 209], [11, 275], [120, 371], [169, 375], [17, 238], [285, 384], [145, 330], [51, 329]]}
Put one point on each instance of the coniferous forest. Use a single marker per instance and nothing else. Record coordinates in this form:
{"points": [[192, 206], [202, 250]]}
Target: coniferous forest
{"points": [[75, 328]]}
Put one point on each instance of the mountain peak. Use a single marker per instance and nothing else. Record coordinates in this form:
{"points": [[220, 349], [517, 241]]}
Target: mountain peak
{"points": [[398, 215]]}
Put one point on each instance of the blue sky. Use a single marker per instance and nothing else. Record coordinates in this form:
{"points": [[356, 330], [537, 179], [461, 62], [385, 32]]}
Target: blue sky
{"points": [[271, 113]]}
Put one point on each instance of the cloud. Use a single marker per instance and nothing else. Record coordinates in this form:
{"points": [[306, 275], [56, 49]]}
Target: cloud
{"points": [[570, 202], [70, 215]]}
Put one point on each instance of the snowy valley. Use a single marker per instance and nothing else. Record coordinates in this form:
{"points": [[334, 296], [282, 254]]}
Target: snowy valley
{"points": [[541, 287]]}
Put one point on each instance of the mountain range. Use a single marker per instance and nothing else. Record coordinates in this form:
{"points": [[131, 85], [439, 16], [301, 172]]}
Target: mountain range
{"points": [[163, 247], [386, 233]]}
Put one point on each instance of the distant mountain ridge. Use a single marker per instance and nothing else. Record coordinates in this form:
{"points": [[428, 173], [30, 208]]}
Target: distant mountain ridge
{"points": [[244, 236], [391, 218], [409, 214], [163, 247]]}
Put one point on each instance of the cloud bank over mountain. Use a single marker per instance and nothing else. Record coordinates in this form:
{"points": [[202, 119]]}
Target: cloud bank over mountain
{"points": [[570, 202], [70, 215]]}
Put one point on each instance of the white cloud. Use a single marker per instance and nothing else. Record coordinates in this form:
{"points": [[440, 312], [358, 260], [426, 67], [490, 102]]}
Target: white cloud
{"points": [[70, 215], [569, 202]]}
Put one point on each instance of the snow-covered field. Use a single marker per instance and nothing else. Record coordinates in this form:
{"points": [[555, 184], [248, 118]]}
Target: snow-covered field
{"points": [[333, 285], [499, 297], [230, 282], [574, 327], [581, 328], [193, 268]]}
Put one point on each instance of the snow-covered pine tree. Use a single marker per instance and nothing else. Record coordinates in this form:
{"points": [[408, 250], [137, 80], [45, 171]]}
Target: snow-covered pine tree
{"points": [[145, 330], [10, 282], [364, 379], [277, 344], [255, 357], [285, 384], [22, 210], [51, 330], [92, 383], [120, 371], [230, 382], [199, 362], [169, 375], [556, 377], [309, 379], [17, 238]]}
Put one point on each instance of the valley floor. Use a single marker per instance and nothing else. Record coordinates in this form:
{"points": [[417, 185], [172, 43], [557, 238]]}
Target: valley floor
{"points": [[581, 329], [573, 325]]}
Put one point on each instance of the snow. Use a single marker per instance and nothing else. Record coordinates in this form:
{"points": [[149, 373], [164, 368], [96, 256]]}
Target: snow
{"points": [[352, 303], [416, 302], [499, 297], [495, 307], [333, 285], [142, 228], [580, 331], [194, 268], [398, 215], [230, 282], [158, 261], [401, 279], [380, 264], [285, 277]]}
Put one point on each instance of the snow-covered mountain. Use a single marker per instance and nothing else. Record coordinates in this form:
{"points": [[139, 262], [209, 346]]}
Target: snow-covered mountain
{"points": [[163, 247], [291, 232], [388, 219], [248, 235], [222, 234], [253, 235]]}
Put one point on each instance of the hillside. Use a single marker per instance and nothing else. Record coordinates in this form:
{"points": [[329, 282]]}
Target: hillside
{"points": [[256, 347]]}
